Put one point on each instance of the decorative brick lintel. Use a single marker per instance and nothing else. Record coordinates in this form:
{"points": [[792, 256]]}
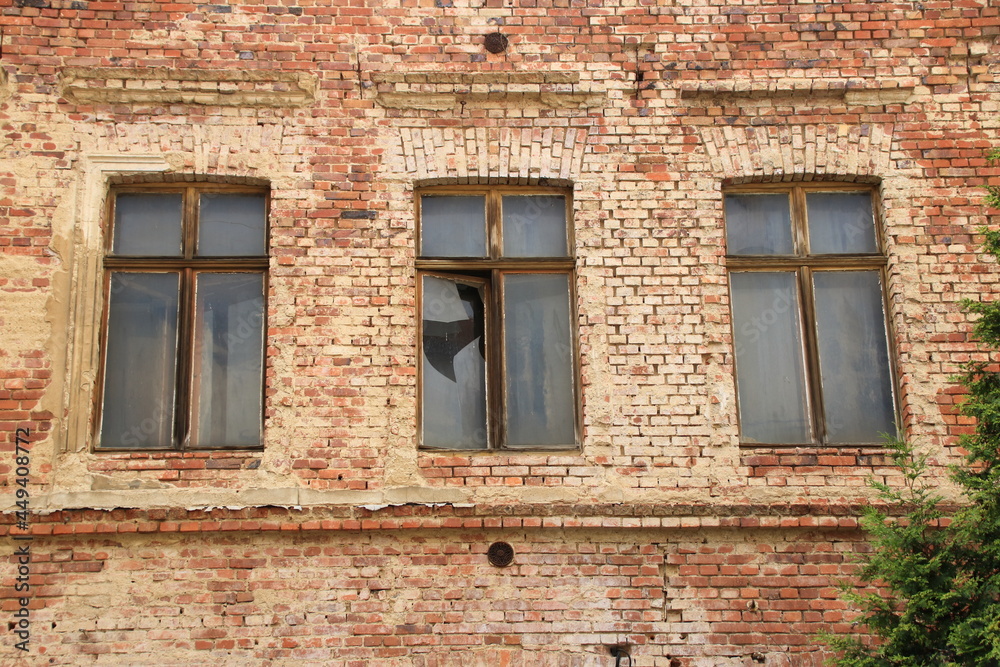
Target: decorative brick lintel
{"points": [[156, 85], [441, 91], [852, 91], [476, 78], [446, 101]]}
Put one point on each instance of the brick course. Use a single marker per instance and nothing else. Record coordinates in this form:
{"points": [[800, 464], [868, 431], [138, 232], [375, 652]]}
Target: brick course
{"points": [[415, 596]]}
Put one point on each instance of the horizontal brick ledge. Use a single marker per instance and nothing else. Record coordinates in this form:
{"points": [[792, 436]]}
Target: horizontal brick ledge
{"points": [[476, 78], [446, 101], [853, 91], [422, 517]]}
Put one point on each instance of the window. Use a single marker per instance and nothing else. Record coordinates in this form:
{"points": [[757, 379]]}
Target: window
{"points": [[183, 339], [496, 296], [806, 275]]}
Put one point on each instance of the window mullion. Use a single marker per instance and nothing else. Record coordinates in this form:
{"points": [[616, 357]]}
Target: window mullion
{"points": [[799, 226], [493, 225], [184, 402], [496, 380], [98, 398], [810, 341], [496, 383], [190, 222], [185, 360]]}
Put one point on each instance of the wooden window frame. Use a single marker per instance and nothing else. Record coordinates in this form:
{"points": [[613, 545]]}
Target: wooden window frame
{"points": [[187, 265], [804, 265], [490, 270]]}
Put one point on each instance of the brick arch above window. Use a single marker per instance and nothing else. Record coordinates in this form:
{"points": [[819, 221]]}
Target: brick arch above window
{"points": [[797, 152], [514, 155]]}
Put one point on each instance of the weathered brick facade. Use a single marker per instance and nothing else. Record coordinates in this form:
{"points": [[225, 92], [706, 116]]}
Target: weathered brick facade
{"points": [[340, 541]]}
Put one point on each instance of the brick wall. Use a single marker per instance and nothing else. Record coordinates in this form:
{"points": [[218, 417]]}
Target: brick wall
{"points": [[409, 586], [646, 111]]}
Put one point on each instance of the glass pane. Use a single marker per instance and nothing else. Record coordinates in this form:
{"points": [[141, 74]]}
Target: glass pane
{"points": [[228, 376], [534, 226], [231, 225], [538, 351], [454, 365], [139, 371], [759, 225], [452, 226], [148, 224], [840, 222], [853, 356], [770, 371]]}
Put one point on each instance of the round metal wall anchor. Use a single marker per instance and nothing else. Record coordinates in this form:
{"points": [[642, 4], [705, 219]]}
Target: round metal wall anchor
{"points": [[496, 42], [500, 554]]}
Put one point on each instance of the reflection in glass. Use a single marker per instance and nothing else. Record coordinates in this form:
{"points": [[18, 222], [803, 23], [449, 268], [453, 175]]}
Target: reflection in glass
{"points": [[534, 226], [758, 224], [148, 224], [840, 222], [231, 225], [454, 364], [853, 356], [769, 358], [452, 226], [228, 360], [140, 362], [538, 360]]}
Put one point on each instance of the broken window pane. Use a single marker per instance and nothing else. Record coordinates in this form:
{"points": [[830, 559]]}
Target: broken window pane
{"points": [[758, 224], [525, 396], [452, 226], [228, 360], [231, 225], [769, 362], [840, 222], [454, 364], [148, 224], [140, 367], [853, 356], [534, 226], [538, 351]]}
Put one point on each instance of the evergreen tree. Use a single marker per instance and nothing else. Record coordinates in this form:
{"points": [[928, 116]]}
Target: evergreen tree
{"points": [[939, 574]]}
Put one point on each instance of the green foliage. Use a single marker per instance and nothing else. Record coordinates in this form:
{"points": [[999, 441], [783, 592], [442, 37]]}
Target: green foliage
{"points": [[910, 558], [938, 603]]}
